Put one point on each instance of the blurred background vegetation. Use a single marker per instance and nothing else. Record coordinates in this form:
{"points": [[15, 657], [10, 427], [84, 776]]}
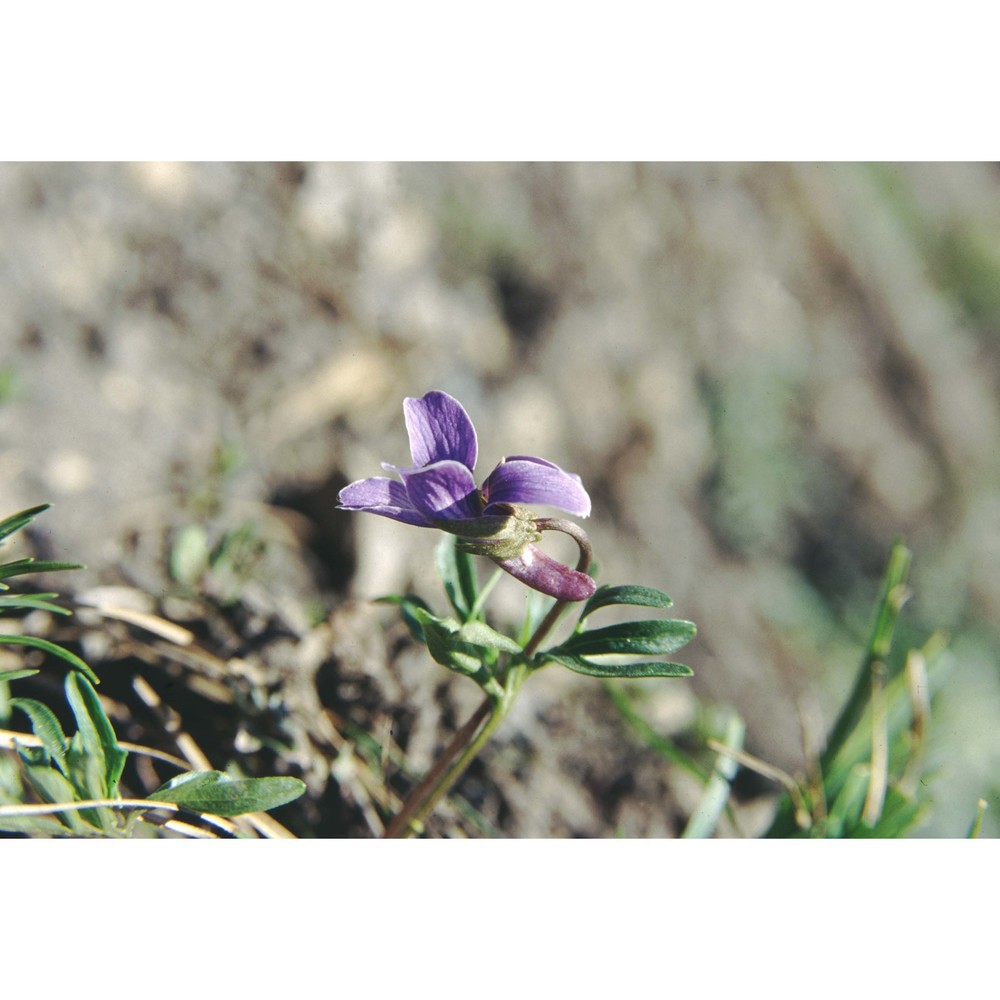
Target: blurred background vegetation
{"points": [[764, 373]]}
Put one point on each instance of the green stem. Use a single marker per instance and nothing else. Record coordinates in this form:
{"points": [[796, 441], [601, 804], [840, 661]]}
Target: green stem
{"points": [[477, 608], [473, 736]]}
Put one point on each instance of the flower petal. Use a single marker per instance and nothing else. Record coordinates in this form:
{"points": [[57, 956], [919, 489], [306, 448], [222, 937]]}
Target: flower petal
{"points": [[444, 491], [439, 430], [541, 572], [525, 479], [382, 496]]}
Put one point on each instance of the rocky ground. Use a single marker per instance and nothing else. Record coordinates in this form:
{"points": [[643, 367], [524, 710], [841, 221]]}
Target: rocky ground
{"points": [[763, 373]]}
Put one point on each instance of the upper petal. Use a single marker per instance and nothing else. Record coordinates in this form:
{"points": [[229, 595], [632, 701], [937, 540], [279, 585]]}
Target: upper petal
{"points": [[444, 491], [439, 430], [525, 479], [382, 496]]}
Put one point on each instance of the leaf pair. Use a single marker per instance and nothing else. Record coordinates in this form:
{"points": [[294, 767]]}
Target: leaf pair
{"points": [[635, 638]]}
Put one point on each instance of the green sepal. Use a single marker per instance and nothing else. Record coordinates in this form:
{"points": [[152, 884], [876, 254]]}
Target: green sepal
{"points": [[51, 647], [646, 668], [639, 637], [630, 594], [217, 793], [503, 535], [45, 726]]}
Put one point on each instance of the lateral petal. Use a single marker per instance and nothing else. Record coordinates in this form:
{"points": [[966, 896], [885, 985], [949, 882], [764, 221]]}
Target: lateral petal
{"points": [[382, 496], [524, 479]]}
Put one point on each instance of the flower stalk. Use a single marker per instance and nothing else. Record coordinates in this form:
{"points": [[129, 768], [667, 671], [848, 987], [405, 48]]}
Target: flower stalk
{"points": [[466, 744]]}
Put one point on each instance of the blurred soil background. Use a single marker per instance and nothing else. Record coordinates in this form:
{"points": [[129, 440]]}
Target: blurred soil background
{"points": [[763, 373]]}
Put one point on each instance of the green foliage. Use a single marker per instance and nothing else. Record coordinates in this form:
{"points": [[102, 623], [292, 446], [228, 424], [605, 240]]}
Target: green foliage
{"points": [[870, 776], [86, 767], [79, 776], [467, 645], [27, 602], [650, 636]]}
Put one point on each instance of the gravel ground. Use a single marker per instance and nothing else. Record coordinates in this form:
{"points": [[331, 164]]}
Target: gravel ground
{"points": [[763, 373]]}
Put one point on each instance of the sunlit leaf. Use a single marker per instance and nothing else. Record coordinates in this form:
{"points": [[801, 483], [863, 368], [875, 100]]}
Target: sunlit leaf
{"points": [[217, 793]]}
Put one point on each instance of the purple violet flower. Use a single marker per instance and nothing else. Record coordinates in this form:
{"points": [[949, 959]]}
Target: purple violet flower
{"points": [[439, 491]]}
